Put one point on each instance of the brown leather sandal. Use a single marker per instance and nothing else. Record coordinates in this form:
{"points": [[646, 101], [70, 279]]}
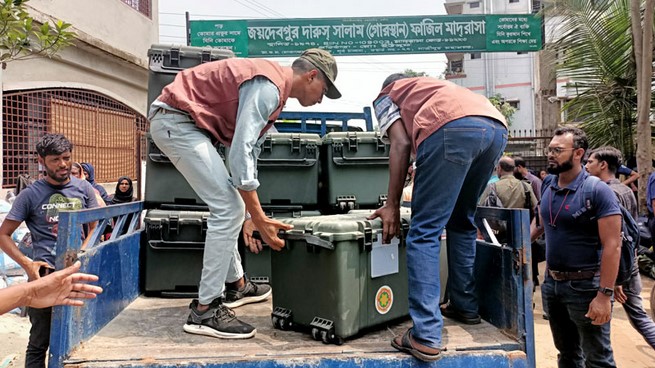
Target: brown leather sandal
{"points": [[406, 344]]}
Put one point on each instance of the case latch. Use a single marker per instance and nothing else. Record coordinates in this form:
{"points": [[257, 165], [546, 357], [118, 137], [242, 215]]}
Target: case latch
{"points": [[295, 144], [174, 224], [175, 57], [205, 56]]}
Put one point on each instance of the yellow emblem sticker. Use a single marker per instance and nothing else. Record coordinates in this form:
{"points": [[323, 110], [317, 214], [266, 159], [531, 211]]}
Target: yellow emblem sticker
{"points": [[384, 299]]}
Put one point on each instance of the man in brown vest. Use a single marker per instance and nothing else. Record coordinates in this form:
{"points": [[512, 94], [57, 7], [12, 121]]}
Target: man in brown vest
{"points": [[457, 137], [232, 101]]}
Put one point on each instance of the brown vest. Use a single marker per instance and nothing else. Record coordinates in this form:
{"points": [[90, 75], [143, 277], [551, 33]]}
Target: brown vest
{"points": [[210, 92], [427, 104]]}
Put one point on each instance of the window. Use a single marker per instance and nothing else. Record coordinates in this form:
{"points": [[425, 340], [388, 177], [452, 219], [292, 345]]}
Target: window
{"points": [[514, 1], [142, 6], [476, 55], [456, 66], [475, 4], [514, 103], [522, 53]]}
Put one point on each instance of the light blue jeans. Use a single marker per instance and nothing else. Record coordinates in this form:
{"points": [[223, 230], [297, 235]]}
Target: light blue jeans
{"points": [[453, 166], [191, 151]]}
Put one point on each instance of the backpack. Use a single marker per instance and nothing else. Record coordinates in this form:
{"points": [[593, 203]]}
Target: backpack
{"points": [[629, 231]]}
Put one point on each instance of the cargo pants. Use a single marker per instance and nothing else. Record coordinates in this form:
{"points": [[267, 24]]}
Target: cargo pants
{"points": [[192, 153]]}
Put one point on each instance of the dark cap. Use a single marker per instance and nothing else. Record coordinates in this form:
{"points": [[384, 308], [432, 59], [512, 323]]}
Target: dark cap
{"points": [[324, 61]]}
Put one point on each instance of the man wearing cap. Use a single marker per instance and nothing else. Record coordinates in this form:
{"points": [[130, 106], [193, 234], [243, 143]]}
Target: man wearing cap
{"points": [[457, 137], [232, 101]]}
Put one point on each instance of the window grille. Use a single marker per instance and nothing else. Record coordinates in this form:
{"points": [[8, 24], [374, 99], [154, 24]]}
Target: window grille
{"points": [[142, 6], [104, 132]]}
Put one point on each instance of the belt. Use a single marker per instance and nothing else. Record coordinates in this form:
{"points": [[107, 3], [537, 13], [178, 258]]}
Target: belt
{"points": [[573, 275], [167, 112]]}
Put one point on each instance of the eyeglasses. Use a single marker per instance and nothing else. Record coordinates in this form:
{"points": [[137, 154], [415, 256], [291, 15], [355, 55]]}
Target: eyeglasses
{"points": [[556, 151]]}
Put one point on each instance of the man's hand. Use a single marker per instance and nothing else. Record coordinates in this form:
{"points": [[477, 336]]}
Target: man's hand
{"points": [[619, 295], [255, 245], [268, 229], [390, 222], [600, 310], [33, 270], [65, 287]]}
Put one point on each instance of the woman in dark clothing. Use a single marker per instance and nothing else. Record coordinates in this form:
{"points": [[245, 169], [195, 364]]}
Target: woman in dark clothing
{"points": [[90, 174], [123, 194], [124, 191]]}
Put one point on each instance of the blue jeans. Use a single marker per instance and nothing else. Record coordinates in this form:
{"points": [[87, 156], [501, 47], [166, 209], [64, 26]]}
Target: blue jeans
{"points": [[453, 166], [634, 308], [580, 343]]}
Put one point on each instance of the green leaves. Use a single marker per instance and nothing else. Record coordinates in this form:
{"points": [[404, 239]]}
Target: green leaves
{"points": [[20, 38], [596, 55]]}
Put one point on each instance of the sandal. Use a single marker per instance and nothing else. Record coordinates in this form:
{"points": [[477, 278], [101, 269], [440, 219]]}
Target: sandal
{"points": [[419, 351]]}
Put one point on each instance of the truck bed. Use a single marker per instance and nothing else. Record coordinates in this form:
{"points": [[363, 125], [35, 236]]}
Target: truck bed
{"points": [[149, 333]]}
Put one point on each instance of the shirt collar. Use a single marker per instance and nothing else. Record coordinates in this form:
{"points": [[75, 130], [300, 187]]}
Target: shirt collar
{"points": [[506, 176], [575, 184]]}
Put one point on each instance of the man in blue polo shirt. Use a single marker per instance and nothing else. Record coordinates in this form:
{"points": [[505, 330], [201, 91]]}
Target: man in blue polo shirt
{"points": [[582, 255]]}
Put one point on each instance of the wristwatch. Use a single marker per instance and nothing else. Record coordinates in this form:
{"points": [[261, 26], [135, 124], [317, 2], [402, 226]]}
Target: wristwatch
{"points": [[606, 291]]}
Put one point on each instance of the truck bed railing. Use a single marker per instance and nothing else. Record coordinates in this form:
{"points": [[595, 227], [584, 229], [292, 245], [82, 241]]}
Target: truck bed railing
{"points": [[115, 261], [324, 118], [503, 275]]}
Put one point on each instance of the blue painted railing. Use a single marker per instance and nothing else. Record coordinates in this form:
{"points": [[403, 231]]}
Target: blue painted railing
{"points": [[503, 277], [324, 118], [116, 261]]}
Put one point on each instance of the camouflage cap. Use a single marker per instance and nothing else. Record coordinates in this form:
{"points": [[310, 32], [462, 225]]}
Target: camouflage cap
{"points": [[324, 61]]}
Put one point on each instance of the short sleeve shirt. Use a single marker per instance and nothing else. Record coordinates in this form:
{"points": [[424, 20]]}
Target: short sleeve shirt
{"points": [[573, 244], [39, 205], [387, 112]]}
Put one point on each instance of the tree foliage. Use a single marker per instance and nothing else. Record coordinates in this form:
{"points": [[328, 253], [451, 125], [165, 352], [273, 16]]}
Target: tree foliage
{"points": [[503, 106], [412, 73], [596, 54], [22, 38]]}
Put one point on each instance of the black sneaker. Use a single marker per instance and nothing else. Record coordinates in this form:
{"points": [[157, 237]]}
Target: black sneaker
{"points": [[468, 319], [251, 293], [217, 321]]}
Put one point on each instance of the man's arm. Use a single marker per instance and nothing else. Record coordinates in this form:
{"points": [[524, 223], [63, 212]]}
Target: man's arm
{"points": [[609, 231], [258, 99], [629, 174], [399, 153], [65, 287]]}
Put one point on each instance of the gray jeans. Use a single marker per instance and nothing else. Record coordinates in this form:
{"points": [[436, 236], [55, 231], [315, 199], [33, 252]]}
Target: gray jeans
{"points": [[194, 156]]}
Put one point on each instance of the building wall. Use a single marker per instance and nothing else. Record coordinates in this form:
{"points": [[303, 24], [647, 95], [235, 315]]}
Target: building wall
{"points": [[112, 22], [106, 57], [509, 74]]}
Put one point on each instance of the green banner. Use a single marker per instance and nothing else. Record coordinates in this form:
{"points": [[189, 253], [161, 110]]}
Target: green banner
{"points": [[371, 36]]}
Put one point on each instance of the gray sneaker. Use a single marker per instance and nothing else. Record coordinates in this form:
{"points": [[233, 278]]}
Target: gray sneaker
{"points": [[217, 321], [250, 293]]}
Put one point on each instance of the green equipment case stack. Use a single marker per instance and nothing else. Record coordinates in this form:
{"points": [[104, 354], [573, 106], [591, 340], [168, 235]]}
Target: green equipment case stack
{"points": [[164, 184], [174, 245], [355, 171], [287, 170], [335, 278]]}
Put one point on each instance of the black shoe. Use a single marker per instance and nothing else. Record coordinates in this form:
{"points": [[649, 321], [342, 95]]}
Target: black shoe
{"points": [[250, 293], [468, 319], [217, 321]]}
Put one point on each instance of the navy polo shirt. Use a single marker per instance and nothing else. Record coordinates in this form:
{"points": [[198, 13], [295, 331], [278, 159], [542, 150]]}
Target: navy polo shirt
{"points": [[574, 244]]}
